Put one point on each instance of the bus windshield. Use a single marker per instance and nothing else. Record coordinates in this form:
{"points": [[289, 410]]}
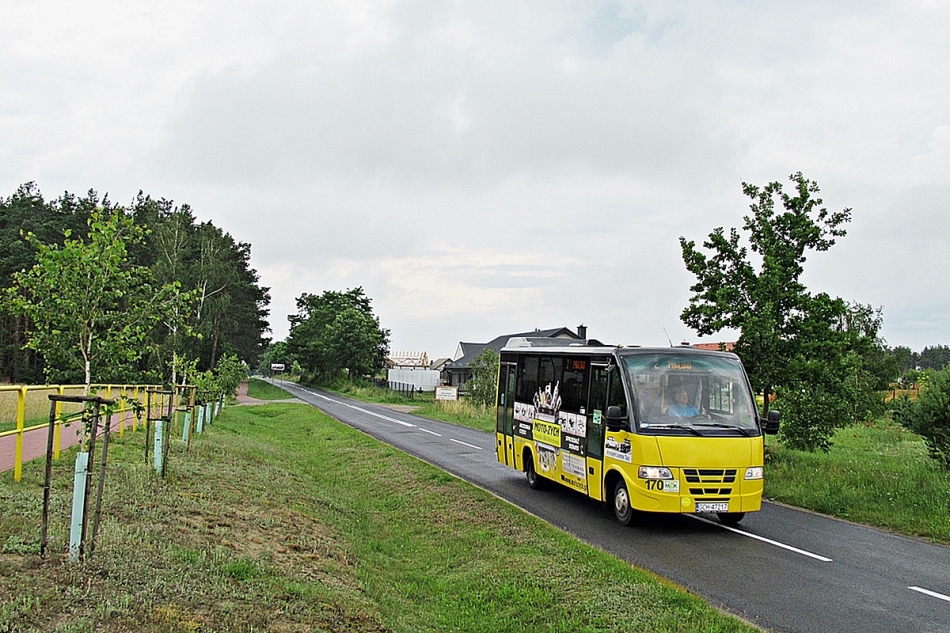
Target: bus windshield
{"points": [[690, 392]]}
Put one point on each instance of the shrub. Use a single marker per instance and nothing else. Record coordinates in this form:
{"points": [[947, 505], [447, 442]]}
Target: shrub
{"points": [[810, 417], [483, 385], [930, 415]]}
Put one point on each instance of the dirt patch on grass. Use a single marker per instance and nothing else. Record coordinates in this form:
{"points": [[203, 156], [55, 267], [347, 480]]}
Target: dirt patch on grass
{"points": [[401, 408]]}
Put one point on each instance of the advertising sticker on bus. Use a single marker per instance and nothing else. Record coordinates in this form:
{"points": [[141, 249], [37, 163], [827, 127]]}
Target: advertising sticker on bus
{"points": [[617, 450]]}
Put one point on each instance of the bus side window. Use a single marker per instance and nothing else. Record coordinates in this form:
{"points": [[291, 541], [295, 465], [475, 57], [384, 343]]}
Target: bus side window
{"points": [[615, 395], [549, 373], [574, 386], [506, 398], [500, 404], [598, 402], [527, 378]]}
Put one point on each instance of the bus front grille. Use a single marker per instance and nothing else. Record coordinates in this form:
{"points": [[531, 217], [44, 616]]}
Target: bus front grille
{"points": [[698, 492], [710, 475]]}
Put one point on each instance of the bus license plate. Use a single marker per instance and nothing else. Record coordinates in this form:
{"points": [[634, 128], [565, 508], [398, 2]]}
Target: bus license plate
{"points": [[712, 507]]}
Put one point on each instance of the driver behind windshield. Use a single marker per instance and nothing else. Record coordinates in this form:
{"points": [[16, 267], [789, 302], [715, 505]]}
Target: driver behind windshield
{"points": [[681, 408]]}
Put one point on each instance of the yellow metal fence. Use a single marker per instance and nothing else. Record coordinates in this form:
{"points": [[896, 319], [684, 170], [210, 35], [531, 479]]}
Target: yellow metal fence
{"points": [[26, 408]]}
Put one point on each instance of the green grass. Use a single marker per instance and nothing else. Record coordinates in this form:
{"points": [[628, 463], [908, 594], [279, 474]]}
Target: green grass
{"points": [[368, 392], [460, 412], [282, 519], [878, 474], [257, 388]]}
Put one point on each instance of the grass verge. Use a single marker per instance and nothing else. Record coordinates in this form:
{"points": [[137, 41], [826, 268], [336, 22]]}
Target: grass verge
{"points": [[281, 519], [460, 412], [878, 474], [262, 390]]}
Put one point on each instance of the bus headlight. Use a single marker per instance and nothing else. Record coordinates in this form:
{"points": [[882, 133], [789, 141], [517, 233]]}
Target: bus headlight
{"points": [[655, 472], [753, 472]]}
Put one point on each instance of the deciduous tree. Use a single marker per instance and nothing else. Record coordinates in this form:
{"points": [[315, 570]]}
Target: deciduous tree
{"points": [[336, 333], [790, 339], [90, 308]]}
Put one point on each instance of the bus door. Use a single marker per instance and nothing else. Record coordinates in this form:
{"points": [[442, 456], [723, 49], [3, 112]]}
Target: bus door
{"points": [[505, 414], [595, 430]]}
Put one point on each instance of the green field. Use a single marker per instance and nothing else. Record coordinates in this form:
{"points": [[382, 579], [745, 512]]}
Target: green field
{"points": [[281, 519]]}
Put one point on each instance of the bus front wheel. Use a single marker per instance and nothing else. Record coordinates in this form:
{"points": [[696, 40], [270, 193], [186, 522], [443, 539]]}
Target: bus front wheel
{"points": [[534, 479], [730, 518], [623, 511]]}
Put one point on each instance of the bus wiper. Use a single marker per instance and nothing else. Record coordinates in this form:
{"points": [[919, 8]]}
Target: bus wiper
{"points": [[731, 427], [677, 427]]}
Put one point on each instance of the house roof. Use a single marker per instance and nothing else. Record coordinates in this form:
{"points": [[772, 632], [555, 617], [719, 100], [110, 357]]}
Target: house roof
{"points": [[472, 350], [466, 348], [439, 363], [409, 359]]}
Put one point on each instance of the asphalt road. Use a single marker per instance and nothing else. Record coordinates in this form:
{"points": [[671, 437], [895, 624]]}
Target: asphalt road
{"points": [[783, 569]]}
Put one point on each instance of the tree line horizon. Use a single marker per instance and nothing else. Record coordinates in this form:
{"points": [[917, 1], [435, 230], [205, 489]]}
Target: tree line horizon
{"points": [[137, 293]]}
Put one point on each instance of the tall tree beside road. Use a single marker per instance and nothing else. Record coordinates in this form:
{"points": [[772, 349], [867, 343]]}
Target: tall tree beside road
{"points": [[790, 339], [336, 334], [23, 213], [90, 308], [276, 352], [230, 310]]}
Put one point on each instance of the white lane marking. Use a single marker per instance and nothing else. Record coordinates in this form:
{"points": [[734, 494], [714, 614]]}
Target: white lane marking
{"points": [[465, 444], [823, 559], [386, 417], [381, 416], [932, 594]]}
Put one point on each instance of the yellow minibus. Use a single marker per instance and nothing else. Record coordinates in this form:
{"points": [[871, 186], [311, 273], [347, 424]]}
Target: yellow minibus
{"points": [[670, 430]]}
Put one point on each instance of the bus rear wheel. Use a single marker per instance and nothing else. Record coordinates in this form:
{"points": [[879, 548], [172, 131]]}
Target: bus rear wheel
{"points": [[623, 511], [730, 518], [535, 482]]}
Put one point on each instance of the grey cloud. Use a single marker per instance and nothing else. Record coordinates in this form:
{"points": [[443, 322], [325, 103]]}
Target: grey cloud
{"points": [[421, 111]]}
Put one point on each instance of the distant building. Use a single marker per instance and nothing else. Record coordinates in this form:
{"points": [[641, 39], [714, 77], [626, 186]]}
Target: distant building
{"points": [[408, 360], [411, 368], [715, 347], [439, 364]]}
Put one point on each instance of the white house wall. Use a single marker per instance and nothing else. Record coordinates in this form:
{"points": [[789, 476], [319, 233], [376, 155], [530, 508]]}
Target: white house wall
{"points": [[425, 379]]}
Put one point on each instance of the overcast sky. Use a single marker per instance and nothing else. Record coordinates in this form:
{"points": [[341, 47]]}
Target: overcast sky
{"points": [[483, 168]]}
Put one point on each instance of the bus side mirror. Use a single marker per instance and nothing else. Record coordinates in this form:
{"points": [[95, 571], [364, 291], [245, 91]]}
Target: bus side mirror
{"points": [[770, 425], [615, 420]]}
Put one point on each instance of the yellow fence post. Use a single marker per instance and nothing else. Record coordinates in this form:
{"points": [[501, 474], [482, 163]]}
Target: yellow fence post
{"points": [[20, 419], [112, 413]]}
